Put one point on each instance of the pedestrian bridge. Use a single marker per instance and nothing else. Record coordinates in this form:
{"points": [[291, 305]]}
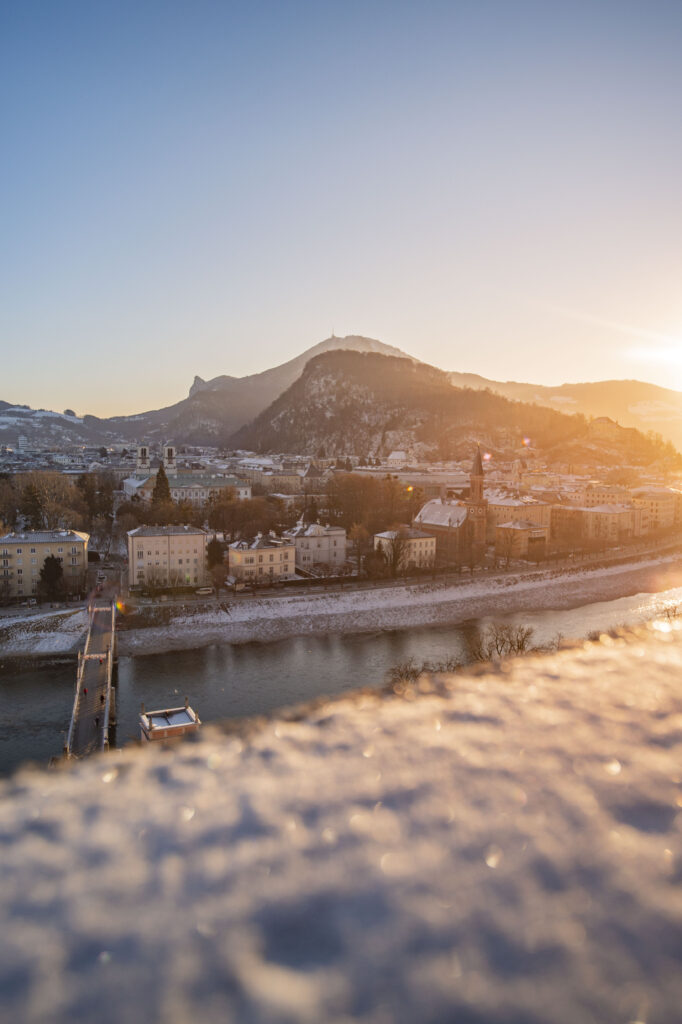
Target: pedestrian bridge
{"points": [[94, 706]]}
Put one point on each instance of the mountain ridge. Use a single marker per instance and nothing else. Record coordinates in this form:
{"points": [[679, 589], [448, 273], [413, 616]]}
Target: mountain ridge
{"points": [[215, 409], [370, 404]]}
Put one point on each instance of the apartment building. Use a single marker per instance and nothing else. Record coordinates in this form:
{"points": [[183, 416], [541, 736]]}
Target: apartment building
{"points": [[659, 504], [504, 507], [196, 488], [594, 492], [520, 538], [22, 556], [167, 556], [315, 544], [417, 549], [266, 558]]}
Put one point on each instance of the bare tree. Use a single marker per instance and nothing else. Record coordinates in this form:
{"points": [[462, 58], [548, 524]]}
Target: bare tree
{"points": [[499, 640], [395, 549]]}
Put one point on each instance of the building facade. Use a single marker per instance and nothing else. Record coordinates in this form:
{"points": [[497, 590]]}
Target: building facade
{"points": [[521, 539], [266, 558], [167, 557], [195, 488], [407, 548], [505, 508], [22, 556], [459, 526], [318, 545]]}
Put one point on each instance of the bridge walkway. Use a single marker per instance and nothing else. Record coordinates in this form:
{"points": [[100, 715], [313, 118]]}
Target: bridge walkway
{"points": [[94, 702]]}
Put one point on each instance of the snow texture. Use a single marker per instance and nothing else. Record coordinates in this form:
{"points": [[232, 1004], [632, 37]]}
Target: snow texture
{"points": [[502, 847], [42, 633]]}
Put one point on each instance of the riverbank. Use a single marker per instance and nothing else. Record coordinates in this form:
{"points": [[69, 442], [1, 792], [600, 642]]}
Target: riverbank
{"points": [[419, 604], [51, 636], [42, 637]]}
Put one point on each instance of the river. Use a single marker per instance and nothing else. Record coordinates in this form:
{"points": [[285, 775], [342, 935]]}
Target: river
{"points": [[231, 681]]}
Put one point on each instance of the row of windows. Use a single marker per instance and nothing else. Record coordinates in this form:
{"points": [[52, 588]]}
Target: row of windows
{"points": [[281, 556], [186, 551], [19, 551]]}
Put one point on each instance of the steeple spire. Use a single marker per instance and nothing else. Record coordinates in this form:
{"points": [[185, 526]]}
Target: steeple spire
{"points": [[477, 469]]}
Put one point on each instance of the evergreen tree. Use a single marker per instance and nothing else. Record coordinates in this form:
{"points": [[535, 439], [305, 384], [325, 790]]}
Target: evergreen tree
{"points": [[161, 494], [310, 513], [51, 583], [31, 507], [214, 553]]}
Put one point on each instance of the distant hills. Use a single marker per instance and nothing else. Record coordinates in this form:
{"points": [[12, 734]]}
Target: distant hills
{"points": [[215, 411], [371, 404], [631, 403]]}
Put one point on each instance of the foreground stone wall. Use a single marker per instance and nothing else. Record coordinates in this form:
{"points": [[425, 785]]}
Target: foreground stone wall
{"points": [[501, 847]]}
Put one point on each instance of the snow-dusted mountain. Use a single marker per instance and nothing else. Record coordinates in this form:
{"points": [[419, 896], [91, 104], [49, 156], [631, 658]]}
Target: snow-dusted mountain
{"points": [[367, 403], [215, 409], [43, 427]]}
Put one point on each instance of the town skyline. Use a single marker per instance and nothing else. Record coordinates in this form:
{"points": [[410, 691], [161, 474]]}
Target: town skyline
{"points": [[212, 189]]}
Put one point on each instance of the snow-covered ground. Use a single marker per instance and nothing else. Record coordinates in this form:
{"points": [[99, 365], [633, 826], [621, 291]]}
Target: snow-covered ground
{"points": [[43, 633], [348, 611], [498, 848], [353, 611]]}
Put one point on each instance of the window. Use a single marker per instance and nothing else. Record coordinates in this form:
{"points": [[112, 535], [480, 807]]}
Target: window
{"points": [[20, 572], [59, 550], [18, 551], [179, 561], [33, 551]]}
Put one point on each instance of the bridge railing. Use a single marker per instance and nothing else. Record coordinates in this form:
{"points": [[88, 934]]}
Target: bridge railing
{"points": [[104, 740], [83, 658], [74, 713]]}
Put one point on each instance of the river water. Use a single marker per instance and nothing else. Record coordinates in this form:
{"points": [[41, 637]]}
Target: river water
{"points": [[231, 681]]}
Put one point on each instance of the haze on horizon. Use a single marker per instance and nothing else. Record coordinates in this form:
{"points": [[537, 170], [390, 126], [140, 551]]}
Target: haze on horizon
{"points": [[211, 188]]}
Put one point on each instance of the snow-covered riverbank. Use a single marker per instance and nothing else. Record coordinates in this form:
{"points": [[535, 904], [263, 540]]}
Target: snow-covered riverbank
{"points": [[58, 633], [425, 604]]}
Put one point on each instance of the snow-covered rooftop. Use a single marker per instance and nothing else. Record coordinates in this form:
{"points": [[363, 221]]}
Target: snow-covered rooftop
{"points": [[441, 513]]}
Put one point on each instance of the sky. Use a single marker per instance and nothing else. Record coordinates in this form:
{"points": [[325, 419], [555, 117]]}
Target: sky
{"points": [[213, 187]]}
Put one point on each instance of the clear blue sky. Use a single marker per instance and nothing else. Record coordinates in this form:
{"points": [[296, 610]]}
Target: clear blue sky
{"points": [[210, 188]]}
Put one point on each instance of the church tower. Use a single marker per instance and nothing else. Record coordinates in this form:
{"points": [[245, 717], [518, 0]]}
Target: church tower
{"points": [[169, 459], [477, 508], [143, 463]]}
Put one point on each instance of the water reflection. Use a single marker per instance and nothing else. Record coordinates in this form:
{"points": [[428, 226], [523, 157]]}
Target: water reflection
{"points": [[225, 681]]}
